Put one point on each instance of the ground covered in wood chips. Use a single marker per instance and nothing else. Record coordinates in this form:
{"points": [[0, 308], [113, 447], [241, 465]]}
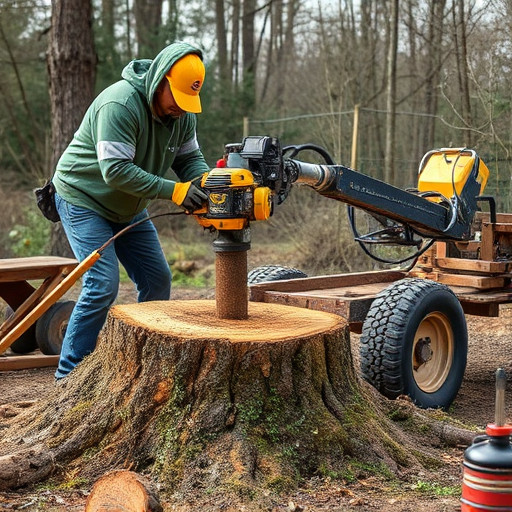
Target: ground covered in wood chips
{"points": [[434, 489]]}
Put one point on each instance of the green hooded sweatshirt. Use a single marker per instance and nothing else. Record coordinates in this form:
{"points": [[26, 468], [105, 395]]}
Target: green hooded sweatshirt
{"points": [[116, 162]]}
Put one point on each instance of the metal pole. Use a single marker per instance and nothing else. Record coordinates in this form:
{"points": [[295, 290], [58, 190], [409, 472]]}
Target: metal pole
{"points": [[501, 382], [355, 130]]}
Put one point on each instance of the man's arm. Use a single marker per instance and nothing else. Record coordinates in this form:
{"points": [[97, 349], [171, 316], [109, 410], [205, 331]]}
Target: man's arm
{"points": [[115, 139]]}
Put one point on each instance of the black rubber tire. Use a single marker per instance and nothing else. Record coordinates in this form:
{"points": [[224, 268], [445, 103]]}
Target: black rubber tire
{"points": [[51, 327], [414, 342], [268, 273], [26, 343]]}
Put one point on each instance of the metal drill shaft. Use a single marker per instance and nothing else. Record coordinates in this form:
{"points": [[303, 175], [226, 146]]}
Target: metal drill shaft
{"points": [[501, 382]]}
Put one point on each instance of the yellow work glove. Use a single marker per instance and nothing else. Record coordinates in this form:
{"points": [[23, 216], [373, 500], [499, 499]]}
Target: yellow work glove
{"points": [[189, 196]]}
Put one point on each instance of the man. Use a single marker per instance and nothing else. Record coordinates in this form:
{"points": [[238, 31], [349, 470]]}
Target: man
{"points": [[131, 135]]}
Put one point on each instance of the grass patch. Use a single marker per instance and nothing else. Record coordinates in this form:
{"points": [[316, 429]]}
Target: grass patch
{"points": [[435, 489]]}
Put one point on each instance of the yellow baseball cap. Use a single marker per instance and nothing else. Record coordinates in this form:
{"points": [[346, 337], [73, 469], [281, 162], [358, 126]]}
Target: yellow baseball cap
{"points": [[186, 78]]}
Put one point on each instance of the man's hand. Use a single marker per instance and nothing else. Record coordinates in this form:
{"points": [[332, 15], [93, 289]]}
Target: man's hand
{"points": [[189, 196]]}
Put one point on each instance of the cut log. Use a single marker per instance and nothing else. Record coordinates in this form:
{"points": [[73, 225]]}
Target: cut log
{"points": [[123, 491], [207, 406]]}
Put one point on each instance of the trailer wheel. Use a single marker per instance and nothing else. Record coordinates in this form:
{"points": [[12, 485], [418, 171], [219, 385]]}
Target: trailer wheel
{"points": [[51, 327], [27, 341], [268, 273], [414, 342]]}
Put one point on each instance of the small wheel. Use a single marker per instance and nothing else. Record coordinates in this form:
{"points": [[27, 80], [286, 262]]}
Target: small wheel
{"points": [[51, 327], [414, 342], [273, 273], [27, 341]]}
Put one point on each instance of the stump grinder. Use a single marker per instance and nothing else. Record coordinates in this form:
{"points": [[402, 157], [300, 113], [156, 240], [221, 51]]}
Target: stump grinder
{"points": [[412, 324]]}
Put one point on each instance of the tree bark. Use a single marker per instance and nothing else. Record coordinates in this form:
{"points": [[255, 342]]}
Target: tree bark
{"points": [[72, 71], [222, 42], [249, 55], [460, 41], [206, 405], [148, 23], [433, 66], [235, 42], [389, 159]]}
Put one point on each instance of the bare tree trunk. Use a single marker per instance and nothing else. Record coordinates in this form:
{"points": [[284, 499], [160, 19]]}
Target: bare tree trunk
{"points": [[389, 161], [107, 20], [374, 13], [416, 150], [148, 22], [462, 67], [270, 64], [129, 44], [72, 71], [222, 42], [249, 54], [434, 58], [287, 50], [235, 41]]}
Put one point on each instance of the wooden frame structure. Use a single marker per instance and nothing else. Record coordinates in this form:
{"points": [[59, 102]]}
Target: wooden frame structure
{"points": [[19, 288]]}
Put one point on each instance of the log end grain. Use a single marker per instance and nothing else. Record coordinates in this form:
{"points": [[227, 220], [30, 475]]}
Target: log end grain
{"points": [[124, 491], [195, 319]]}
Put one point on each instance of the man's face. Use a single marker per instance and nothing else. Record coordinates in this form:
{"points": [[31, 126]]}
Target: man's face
{"points": [[164, 103]]}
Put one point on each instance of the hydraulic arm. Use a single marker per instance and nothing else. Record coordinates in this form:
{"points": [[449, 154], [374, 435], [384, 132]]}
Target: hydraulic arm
{"points": [[256, 175], [430, 215]]}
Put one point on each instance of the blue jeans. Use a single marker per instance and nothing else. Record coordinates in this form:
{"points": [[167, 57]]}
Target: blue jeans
{"points": [[140, 253]]}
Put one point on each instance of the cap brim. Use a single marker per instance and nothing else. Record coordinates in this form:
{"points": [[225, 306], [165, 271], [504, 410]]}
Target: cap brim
{"points": [[187, 102]]}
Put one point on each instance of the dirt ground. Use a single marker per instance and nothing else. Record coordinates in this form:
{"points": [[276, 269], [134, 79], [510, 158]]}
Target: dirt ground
{"points": [[490, 342]]}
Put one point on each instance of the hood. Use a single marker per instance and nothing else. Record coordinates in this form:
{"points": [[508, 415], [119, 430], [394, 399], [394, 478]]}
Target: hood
{"points": [[145, 74]]}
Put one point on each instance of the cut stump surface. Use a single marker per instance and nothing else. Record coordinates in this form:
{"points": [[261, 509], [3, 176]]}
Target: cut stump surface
{"points": [[197, 319]]}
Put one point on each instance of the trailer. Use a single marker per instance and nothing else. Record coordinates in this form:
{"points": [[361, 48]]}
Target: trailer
{"points": [[412, 325]]}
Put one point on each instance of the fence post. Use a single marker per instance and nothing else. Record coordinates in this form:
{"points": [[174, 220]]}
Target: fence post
{"points": [[246, 127], [355, 130]]}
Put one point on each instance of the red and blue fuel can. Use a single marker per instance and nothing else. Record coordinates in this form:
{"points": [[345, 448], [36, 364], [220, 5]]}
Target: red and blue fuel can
{"points": [[487, 480]]}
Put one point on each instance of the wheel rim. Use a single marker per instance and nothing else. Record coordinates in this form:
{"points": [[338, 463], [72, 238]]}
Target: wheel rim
{"points": [[432, 352]]}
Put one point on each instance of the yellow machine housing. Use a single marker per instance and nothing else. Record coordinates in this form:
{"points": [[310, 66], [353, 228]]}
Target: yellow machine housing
{"points": [[234, 199], [447, 170]]}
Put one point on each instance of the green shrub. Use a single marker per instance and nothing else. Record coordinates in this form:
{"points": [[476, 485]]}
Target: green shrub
{"points": [[32, 236]]}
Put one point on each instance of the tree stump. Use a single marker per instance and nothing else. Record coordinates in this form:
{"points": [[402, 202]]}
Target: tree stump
{"points": [[206, 405]]}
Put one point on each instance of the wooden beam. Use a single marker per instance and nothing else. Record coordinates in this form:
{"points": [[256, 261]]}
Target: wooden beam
{"points": [[491, 309], [479, 282], [257, 291], [9, 363], [36, 267], [488, 251], [492, 267]]}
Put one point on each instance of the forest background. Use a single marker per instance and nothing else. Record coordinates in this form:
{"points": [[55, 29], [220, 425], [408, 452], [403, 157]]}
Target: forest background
{"points": [[423, 74]]}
